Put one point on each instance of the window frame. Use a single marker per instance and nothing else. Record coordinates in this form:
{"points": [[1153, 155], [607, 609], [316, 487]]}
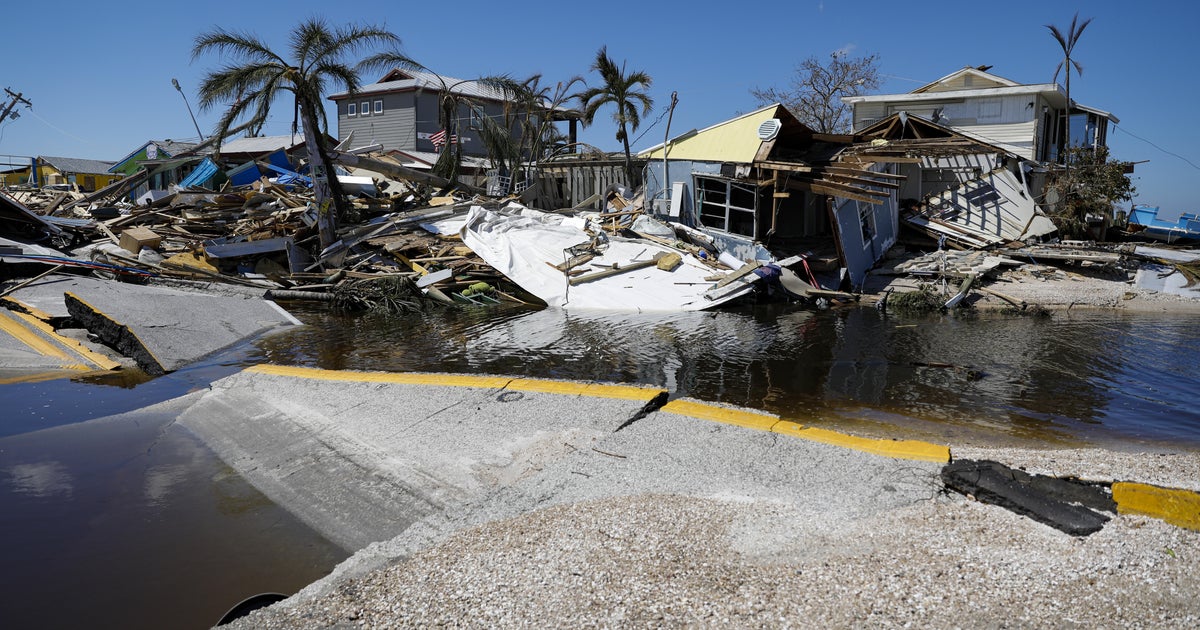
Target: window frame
{"points": [[378, 109], [723, 215], [351, 110]]}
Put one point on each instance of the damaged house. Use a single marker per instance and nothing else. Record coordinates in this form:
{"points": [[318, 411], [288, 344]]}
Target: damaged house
{"points": [[956, 190], [1031, 123], [763, 185]]}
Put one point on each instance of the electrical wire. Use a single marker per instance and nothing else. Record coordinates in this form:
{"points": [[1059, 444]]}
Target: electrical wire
{"points": [[1127, 132]]}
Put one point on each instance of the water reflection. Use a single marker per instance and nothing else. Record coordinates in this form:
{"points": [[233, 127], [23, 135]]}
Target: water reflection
{"points": [[1073, 377]]}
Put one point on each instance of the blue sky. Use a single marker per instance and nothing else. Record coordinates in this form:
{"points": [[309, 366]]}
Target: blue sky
{"points": [[102, 87]]}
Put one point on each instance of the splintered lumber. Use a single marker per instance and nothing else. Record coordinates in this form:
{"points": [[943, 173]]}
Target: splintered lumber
{"points": [[641, 264], [574, 261], [1007, 298]]}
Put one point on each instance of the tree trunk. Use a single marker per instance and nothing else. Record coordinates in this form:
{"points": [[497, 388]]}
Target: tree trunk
{"points": [[628, 159], [329, 199]]}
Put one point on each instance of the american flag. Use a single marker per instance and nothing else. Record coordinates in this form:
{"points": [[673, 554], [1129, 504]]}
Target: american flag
{"points": [[439, 138]]}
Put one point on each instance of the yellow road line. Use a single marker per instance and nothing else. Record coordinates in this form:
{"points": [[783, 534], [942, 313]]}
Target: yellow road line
{"points": [[597, 390], [717, 413], [32, 310], [897, 449], [623, 392], [1177, 507], [97, 359], [36, 342]]}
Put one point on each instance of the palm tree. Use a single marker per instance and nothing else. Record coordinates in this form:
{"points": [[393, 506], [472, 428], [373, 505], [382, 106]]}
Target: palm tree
{"points": [[451, 103], [621, 90], [530, 110], [1067, 42], [258, 75]]}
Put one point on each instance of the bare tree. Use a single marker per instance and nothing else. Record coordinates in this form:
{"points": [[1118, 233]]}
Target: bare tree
{"points": [[815, 93]]}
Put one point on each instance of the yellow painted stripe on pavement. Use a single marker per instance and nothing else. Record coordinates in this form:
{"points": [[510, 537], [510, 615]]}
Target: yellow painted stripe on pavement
{"points": [[623, 392], [32, 310], [898, 449], [598, 390], [1175, 506], [716, 413], [36, 342], [97, 359], [401, 378]]}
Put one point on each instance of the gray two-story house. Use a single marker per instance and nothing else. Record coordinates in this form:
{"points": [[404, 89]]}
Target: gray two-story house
{"points": [[400, 112]]}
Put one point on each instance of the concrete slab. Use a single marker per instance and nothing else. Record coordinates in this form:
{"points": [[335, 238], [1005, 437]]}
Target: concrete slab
{"points": [[362, 456], [161, 328], [409, 458]]}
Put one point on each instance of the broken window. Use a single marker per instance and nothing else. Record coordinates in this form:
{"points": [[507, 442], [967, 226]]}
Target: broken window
{"points": [[866, 218], [727, 205]]}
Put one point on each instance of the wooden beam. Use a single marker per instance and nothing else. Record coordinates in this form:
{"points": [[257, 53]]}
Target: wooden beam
{"points": [[848, 179], [836, 190], [785, 166], [846, 188], [858, 172]]}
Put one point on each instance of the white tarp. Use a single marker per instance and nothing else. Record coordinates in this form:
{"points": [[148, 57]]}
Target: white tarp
{"points": [[525, 244]]}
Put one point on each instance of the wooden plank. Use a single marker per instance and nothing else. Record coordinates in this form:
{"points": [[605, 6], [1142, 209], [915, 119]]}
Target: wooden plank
{"points": [[785, 166], [858, 172]]}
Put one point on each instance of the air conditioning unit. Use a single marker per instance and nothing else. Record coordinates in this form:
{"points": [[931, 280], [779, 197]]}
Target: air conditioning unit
{"points": [[769, 129]]}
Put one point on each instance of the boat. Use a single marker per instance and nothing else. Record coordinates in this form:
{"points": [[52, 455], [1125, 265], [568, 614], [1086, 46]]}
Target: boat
{"points": [[1143, 221]]}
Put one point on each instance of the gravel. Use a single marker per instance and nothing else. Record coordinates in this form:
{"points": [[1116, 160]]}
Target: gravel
{"points": [[672, 560]]}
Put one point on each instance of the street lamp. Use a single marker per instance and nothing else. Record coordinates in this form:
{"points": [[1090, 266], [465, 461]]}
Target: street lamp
{"points": [[189, 107]]}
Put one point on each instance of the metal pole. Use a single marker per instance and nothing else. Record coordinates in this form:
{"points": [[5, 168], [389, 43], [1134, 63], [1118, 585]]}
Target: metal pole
{"points": [[189, 108]]}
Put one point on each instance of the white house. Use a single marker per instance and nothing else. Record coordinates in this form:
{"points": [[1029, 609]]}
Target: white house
{"points": [[1032, 121]]}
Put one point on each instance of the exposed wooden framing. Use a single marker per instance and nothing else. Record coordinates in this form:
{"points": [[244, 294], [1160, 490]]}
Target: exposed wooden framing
{"points": [[847, 179], [868, 159], [858, 172], [784, 166], [826, 187]]}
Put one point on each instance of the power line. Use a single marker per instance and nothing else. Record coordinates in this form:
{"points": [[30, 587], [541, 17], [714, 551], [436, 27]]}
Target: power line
{"points": [[1190, 163]]}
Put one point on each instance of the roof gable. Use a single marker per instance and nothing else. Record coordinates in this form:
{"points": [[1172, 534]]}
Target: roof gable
{"points": [[400, 80], [735, 140], [76, 165], [967, 78]]}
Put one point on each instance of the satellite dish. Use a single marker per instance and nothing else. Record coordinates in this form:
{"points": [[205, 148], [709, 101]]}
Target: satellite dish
{"points": [[769, 129]]}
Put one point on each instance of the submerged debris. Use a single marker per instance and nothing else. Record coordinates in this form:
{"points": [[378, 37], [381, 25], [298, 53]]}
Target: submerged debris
{"points": [[923, 300], [390, 295]]}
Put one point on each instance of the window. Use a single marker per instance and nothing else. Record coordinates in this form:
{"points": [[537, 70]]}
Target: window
{"points": [[475, 122], [866, 217], [990, 109], [379, 106], [726, 205], [365, 108], [351, 110]]}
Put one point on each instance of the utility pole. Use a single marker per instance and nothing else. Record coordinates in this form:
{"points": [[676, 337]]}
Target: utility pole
{"points": [[189, 108], [8, 109]]}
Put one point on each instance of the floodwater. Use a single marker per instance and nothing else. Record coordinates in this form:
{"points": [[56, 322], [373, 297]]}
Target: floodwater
{"points": [[133, 523]]}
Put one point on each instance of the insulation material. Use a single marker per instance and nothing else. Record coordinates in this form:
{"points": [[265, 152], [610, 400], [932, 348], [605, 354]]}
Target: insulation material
{"points": [[525, 245]]}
